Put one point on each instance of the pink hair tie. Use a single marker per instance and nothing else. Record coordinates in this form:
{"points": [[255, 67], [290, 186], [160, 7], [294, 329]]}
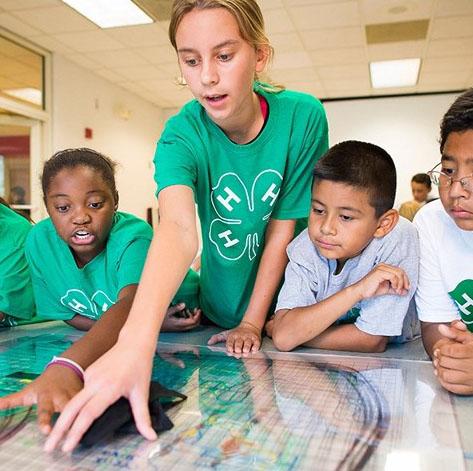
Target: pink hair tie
{"points": [[68, 363]]}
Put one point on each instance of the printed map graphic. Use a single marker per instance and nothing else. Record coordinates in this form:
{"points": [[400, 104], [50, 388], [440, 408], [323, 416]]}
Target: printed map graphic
{"points": [[268, 412]]}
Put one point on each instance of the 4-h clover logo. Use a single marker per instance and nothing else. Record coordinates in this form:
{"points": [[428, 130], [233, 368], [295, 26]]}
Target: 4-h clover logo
{"points": [[238, 228], [463, 297], [78, 301]]}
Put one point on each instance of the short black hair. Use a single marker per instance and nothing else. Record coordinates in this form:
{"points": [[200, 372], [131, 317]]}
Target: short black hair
{"points": [[80, 157], [422, 178], [364, 166], [458, 118]]}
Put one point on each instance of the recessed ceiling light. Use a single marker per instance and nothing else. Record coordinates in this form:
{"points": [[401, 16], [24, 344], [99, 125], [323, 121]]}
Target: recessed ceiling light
{"points": [[110, 13], [398, 9], [33, 95], [397, 73]]}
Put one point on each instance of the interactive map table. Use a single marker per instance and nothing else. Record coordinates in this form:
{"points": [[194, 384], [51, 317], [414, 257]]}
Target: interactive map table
{"points": [[272, 411]]}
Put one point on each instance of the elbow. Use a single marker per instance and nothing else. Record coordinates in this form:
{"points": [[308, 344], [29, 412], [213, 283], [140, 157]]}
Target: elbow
{"points": [[379, 345], [282, 341]]}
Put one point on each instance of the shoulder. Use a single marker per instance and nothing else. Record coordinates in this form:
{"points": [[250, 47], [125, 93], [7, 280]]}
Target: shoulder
{"points": [[12, 223], [403, 228], [302, 251], [190, 115], [129, 227], [290, 99], [432, 214], [42, 229]]}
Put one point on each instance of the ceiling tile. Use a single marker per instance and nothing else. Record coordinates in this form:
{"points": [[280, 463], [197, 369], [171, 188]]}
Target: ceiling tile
{"points": [[84, 61], [310, 87], [17, 26], [452, 27], [454, 7], [52, 44], [450, 47], [119, 58], [333, 38], [352, 55], [140, 72], [53, 20], [343, 72], [394, 11], [266, 5], [293, 75], [140, 36], [13, 5], [442, 64], [109, 75], [158, 54], [288, 60], [392, 51], [285, 42], [89, 41], [278, 21], [170, 70], [454, 78], [327, 15]]}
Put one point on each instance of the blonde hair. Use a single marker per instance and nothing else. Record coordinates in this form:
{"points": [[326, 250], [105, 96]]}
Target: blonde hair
{"points": [[248, 16]]}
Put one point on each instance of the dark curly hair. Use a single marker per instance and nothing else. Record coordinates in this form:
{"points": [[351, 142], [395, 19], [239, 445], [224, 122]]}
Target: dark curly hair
{"points": [[81, 157]]}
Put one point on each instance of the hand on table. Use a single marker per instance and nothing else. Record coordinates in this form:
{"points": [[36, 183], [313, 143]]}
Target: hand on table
{"points": [[51, 392], [240, 341]]}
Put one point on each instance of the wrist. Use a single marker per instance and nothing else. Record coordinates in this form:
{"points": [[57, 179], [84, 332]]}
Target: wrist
{"points": [[250, 325], [355, 292], [69, 364]]}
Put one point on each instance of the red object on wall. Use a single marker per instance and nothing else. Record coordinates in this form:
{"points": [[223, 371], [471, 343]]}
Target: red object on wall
{"points": [[88, 133], [15, 146]]}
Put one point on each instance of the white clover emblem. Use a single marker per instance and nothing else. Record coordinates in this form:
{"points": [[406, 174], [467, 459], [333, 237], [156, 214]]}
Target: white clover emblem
{"points": [[238, 228]]}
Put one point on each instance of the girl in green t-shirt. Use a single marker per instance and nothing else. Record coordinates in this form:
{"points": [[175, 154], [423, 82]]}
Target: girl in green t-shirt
{"points": [[16, 294], [245, 157], [86, 260]]}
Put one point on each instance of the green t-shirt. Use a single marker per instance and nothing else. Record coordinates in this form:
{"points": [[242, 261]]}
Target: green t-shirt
{"points": [[62, 289], [238, 188], [16, 293]]}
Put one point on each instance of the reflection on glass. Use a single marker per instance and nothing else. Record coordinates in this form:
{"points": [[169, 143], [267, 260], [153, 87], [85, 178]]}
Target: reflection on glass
{"points": [[21, 74]]}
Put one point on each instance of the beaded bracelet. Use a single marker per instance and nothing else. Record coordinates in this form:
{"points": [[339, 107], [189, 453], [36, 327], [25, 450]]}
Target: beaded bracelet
{"points": [[68, 363]]}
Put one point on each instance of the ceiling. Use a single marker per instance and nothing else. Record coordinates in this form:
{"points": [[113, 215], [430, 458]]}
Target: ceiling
{"points": [[322, 47]]}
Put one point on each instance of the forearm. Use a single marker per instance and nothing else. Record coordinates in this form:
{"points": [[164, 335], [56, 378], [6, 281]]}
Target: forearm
{"points": [[349, 338], [169, 258], [103, 334], [270, 271], [431, 335], [299, 325]]}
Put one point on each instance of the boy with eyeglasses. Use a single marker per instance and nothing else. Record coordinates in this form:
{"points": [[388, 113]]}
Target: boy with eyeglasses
{"points": [[445, 291], [351, 276]]}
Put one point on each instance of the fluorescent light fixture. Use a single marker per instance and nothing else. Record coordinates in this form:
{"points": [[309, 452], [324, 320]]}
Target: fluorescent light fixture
{"points": [[110, 13], [33, 95], [398, 73]]}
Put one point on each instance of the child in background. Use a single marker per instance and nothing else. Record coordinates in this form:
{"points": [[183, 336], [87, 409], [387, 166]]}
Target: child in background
{"points": [[421, 187], [352, 274], [86, 261], [445, 292], [243, 151], [16, 294]]}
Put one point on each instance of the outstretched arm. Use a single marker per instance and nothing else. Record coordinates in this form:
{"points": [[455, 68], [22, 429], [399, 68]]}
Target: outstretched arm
{"points": [[125, 370], [58, 384]]}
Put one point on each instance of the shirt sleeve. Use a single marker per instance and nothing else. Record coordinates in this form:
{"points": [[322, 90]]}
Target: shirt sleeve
{"points": [[432, 299], [174, 161], [299, 288], [294, 200], [384, 315], [132, 262]]}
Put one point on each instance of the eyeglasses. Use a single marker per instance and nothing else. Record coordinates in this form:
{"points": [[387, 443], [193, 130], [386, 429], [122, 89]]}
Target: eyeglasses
{"points": [[442, 180]]}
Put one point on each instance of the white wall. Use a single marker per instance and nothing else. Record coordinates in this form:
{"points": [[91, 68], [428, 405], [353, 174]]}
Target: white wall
{"points": [[407, 127], [82, 99]]}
